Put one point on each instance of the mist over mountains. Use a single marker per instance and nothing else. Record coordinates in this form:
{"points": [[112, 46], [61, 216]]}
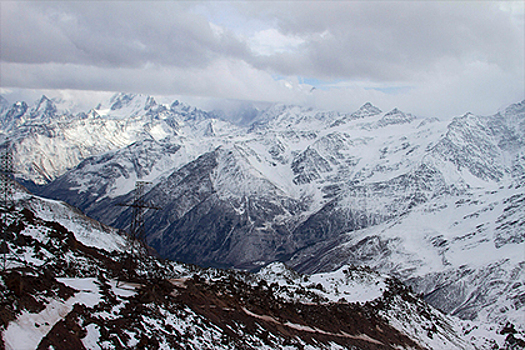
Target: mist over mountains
{"points": [[440, 205]]}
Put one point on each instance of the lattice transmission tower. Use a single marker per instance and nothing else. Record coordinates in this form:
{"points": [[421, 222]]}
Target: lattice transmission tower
{"points": [[137, 231], [6, 192]]}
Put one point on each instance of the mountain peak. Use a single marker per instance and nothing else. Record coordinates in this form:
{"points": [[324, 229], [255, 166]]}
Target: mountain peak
{"points": [[395, 111], [44, 99], [18, 109], [120, 100], [45, 108], [296, 187], [395, 116], [150, 103], [367, 105], [19, 106], [366, 110]]}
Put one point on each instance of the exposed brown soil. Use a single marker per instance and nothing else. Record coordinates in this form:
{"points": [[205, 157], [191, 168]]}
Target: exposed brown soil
{"points": [[229, 303], [342, 323]]}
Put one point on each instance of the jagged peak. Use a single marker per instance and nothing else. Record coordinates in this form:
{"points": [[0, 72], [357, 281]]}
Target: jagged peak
{"points": [[395, 111], [19, 104], [366, 110], [150, 103], [369, 106], [395, 116], [120, 100], [44, 101], [209, 131], [44, 108], [468, 115], [121, 95], [19, 108], [181, 106]]}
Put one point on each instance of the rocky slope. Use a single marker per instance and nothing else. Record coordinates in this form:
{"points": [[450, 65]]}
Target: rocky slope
{"points": [[68, 283], [437, 204]]}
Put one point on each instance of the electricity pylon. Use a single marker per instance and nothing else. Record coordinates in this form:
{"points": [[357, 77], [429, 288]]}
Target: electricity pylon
{"points": [[137, 229], [6, 190]]}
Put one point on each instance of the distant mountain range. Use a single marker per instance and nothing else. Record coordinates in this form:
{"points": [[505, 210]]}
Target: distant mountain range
{"points": [[439, 205]]}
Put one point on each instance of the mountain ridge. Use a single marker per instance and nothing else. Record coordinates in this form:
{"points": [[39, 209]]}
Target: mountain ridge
{"points": [[418, 199], [63, 289]]}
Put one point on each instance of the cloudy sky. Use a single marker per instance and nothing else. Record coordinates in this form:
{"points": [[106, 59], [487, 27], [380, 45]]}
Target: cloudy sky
{"points": [[425, 57]]}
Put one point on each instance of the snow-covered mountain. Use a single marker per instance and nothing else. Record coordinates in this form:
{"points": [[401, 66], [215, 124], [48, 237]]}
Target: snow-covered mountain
{"points": [[49, 140], [65, 286], [437, 204]]}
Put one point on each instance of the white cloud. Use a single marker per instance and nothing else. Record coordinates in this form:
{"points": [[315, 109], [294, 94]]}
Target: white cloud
{"points": [[223, 78], [425, 57], [270, 41]]}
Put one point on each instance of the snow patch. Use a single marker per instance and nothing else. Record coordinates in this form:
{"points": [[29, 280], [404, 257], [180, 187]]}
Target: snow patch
{"points": [[26, 332]]}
